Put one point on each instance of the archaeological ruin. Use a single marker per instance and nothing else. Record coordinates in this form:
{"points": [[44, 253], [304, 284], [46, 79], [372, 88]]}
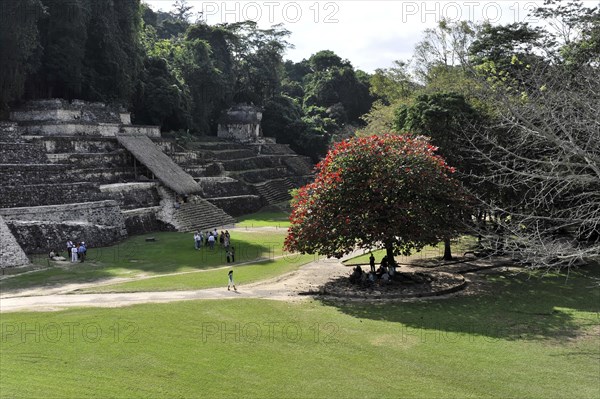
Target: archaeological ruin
{"points": [[82, 170]]}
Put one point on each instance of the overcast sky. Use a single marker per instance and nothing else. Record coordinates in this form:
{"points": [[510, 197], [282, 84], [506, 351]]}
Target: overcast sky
{"points": [[371, 34]]}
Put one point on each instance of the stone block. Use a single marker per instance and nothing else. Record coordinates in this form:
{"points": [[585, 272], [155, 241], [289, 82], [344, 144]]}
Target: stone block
{"points": [[11, 253]]}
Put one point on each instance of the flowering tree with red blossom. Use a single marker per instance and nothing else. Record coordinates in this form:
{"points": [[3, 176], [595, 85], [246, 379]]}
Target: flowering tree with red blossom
{"points": [[390, 191]]}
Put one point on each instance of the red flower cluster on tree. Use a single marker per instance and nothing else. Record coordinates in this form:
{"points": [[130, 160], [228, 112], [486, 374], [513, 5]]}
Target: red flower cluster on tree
{"points": [[389, 191]]}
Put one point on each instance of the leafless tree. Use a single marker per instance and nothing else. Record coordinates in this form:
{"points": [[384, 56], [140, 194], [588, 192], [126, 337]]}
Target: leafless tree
{"points": [[542, 154]]}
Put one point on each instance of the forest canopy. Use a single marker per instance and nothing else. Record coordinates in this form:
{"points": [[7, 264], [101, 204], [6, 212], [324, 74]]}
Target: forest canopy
{"points": [[172, 71]]}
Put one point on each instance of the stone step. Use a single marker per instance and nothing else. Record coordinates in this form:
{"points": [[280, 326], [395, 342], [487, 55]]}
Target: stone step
{"points": [[11, 174], [275, 191], [238, 205], [225, 155], [224, 187], [75, 144], [50, 194], [144, 220], [272, 148], [201, 215], [256, 162], [212, 145], [112, 159], [261, 175], [199, 171], [18, 153], [133, 195]]}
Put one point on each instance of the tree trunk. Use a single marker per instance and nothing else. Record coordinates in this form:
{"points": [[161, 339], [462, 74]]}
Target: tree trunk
{"points": [[389, 251], [447, 249]]}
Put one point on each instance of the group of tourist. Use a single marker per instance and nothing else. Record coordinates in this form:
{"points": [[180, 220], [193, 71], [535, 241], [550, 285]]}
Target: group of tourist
{"points": [[75, 251], [78, 251], [383, 274], [211, 238]]}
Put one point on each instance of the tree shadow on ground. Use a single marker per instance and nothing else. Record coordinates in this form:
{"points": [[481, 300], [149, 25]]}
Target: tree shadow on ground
{"points": [[511, 306], [168, 253]]}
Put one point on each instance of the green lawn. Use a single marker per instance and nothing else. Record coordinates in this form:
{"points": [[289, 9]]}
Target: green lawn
{"points": [[216, 278], [265, 219], [171, 253], [465, 243], [524, 338]]}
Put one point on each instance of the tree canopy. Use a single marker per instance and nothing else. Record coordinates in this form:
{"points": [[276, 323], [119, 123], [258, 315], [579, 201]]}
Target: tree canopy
{"points": [[386, 191]]}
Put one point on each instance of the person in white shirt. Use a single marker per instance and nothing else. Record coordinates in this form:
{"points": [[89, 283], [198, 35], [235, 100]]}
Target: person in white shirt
{"points": [[74, 254], [211, 241]]}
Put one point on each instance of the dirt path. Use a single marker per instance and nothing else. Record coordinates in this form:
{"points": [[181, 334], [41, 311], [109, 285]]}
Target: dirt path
{"points": [[285, 287]]}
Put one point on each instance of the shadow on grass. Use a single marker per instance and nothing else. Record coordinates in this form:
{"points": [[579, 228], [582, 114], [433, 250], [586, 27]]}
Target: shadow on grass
{"points": [[169, 253], [512, 307]]}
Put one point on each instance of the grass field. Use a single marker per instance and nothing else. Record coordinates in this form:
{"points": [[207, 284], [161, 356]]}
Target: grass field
{"points": [[209, 279], [459, 246], [519, 336], [265, 219], [523, 338], [171, 253]]}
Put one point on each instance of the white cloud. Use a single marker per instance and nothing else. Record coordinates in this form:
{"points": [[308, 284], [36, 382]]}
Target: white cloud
{"points": [[371, 34]]}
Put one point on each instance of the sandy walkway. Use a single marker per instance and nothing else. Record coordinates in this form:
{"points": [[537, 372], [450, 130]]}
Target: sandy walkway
{"points": [[284, 287]]}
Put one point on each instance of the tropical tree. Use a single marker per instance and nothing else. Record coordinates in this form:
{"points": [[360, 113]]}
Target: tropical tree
{"points": [[390, 191], [19, 46]]}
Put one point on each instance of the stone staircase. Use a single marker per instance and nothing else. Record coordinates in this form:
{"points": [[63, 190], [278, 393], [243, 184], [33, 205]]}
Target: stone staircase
{"points": [[200, 215], [242, 178], [195, 214], [275, 191]]}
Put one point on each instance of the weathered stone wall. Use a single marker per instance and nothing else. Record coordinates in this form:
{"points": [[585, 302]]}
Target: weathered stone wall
{"points": [[11, 254], [150, 131], [142, 221], [62, 115], [115, 159], [260, 162], [63, 145], [133, 195], [63, 110], [21, 153], [242, 133], [71, 129], [42, 237], [258, 176], [300, 166], [60, 173], [39, 229], [239, 205], [9, 132], [224, 187], [102, 212], [273, 149], [49, 194]]}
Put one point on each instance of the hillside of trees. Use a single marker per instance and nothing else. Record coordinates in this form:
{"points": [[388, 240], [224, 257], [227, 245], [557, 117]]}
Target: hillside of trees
{"points": [[516, 109], [175, 72]]}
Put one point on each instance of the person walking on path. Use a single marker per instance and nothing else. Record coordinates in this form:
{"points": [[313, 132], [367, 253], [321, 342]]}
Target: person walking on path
{"points": [[230, 282]]}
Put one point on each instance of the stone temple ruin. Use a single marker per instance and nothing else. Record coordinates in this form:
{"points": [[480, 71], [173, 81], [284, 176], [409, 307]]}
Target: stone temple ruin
{"points": [[241, 123], [81, 170]]}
